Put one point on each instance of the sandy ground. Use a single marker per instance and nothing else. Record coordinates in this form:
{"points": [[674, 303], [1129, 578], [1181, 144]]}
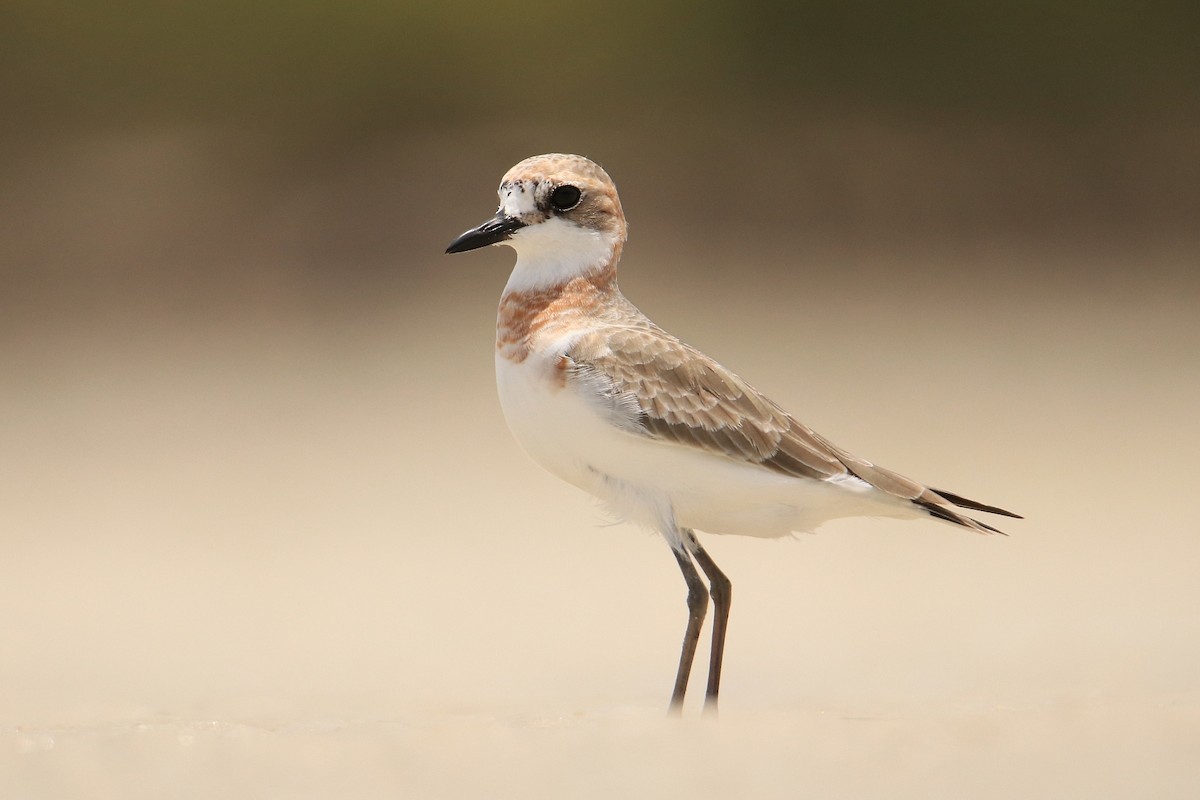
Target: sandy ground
{"points": [[286, 553]]}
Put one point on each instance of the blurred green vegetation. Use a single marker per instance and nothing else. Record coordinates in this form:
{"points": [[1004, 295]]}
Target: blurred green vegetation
{"points": [[148, 149], [366, 64]]}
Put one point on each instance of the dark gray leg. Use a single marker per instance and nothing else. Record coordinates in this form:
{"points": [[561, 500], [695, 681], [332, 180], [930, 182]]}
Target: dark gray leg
{"points": [[722, 594], [697, 601]]}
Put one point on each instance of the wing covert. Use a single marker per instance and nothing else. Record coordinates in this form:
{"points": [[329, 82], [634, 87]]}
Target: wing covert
{"points": [[685, 397]]}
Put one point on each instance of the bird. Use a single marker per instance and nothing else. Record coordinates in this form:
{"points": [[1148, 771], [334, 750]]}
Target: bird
{"points": [[663, 435]]}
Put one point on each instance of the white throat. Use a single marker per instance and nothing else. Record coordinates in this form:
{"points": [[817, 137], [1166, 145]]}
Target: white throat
{"points": [[555, 251]]}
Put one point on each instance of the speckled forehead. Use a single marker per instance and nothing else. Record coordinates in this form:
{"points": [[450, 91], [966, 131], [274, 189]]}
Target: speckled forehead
{"points": [[524, 184]]}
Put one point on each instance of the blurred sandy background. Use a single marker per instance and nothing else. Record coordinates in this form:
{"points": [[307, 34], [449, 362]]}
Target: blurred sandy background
{"points": [[264, 533]]}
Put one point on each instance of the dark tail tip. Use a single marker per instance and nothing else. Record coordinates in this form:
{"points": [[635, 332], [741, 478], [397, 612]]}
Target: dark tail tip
{"points": [[942, 513], [975, 505]]}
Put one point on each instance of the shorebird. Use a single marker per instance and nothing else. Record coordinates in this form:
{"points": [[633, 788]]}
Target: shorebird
{"points": [[666, 437]]}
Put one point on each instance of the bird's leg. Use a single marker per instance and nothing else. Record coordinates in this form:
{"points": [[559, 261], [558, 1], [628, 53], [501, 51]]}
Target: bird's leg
{"points": [[697, 601], [722, 594]]}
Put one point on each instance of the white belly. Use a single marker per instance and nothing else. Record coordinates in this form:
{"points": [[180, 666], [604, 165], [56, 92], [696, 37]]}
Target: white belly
{"points": [[660, 484]]}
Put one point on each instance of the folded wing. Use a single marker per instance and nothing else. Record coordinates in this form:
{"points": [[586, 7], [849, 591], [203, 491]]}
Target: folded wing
{"points": [[681, 395]]}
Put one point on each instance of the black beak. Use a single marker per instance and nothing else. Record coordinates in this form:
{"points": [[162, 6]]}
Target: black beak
{"points": [[496, 229]]}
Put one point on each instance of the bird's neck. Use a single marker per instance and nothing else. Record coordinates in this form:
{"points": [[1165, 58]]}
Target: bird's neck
{"points": [[554, 252], [525, 314]]}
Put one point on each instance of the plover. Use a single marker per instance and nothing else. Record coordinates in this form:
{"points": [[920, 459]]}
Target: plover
{"points": [[666, 437]]}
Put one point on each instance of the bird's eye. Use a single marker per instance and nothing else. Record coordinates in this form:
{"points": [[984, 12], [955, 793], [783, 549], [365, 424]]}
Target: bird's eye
{"points": [[565, 197]]}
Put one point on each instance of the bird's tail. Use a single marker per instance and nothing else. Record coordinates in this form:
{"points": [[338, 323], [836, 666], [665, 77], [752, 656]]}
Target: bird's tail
{"points": [[936, 502], [929, 500]]}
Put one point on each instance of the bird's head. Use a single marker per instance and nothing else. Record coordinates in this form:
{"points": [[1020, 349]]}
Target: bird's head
{"points": [[560, 213]]}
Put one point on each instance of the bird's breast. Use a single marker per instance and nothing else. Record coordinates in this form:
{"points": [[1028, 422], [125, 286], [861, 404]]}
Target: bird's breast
{"points": [[548, 416]]}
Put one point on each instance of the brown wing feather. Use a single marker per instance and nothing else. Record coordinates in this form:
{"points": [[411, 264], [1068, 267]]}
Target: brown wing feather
{"points": [[686, 397]]}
